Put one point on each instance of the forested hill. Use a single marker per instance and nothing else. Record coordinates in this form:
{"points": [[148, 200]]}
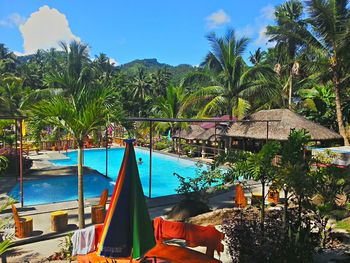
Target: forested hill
{"points": [[152, 65]]}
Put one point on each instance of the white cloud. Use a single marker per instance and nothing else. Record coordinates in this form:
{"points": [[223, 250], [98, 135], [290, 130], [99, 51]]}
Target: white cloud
{"points": [[257, 30], [268, 12], [18, 54], [218, 18], [263, 39], [44, 29], [113, 62], [13, 20], [247, 31]]}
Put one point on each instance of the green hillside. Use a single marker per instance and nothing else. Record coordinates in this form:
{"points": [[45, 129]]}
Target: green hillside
{"points": [[152, 65]]}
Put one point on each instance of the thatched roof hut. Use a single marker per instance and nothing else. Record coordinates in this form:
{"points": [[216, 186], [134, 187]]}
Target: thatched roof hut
{"points": [[190, 133], [279, 130], [210, 134]]}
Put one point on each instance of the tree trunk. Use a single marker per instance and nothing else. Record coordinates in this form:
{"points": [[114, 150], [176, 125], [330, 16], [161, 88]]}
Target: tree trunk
{"points": [[285, 212], [172, 139], [339, 112], [80, 185], [290, 91], [262, 204]]}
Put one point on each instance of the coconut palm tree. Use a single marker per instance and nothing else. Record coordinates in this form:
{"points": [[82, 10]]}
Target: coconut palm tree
{"points": [[76, 72], [141, 89], [330, 37], [7, 60], [289, 44], [257, 57], [13, 95], [159, 81], [170, 107], [80, 113], [230, 82]]}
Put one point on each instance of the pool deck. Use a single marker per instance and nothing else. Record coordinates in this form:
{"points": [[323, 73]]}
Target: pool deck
{"points": [[30, 248]]}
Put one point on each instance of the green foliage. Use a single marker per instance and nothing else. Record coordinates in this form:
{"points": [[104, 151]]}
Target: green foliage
{"points": [[195, 188], [67, 246], [3, 163], [248, 242], [5, 240], [161, 145], [152, 66], [344, 224]]}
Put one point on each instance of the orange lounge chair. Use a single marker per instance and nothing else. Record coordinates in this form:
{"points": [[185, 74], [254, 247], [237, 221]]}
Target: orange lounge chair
{"points": [[23, 225], [240, 199], [98, 212], [194, 235]]}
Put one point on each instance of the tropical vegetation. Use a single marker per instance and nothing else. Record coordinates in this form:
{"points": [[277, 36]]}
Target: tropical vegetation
{"points": [[65, 92]]}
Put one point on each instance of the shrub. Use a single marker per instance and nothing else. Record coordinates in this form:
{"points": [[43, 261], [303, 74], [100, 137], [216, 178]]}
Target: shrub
{"points": [[160, 145], [10, 155], [249, 242]]}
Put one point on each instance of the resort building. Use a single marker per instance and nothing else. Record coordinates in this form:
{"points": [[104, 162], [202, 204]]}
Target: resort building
{"points": [[251, 133]]}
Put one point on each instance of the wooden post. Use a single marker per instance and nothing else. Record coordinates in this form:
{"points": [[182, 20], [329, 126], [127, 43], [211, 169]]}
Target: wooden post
{"points": [[150, 159], [21, 163]]}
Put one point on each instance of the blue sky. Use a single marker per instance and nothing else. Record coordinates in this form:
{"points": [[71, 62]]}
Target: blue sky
{"points": [[174, 32]]}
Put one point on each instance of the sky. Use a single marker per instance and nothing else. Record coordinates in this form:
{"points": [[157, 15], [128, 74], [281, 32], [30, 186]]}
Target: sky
{"points": [[174, 32]]}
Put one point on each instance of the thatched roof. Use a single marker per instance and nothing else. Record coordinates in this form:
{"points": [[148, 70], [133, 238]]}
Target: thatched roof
{"points": [[280, 130], [191, 133], [209, 134]]}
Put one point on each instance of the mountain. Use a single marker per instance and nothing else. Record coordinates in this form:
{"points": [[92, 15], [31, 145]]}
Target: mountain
{"points": [[152, 65]]}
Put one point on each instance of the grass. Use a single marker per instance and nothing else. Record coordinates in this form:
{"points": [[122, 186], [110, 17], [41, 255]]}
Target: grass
{"points": [[344, 224]]}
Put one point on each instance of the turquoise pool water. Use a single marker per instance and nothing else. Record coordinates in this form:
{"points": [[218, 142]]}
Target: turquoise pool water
{"points": [[60, 189], [65, 188]]}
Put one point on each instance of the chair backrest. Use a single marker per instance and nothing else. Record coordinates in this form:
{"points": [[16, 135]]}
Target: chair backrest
{"points": [[15, 215], [240, 199], [104, 197], [194, 235]]}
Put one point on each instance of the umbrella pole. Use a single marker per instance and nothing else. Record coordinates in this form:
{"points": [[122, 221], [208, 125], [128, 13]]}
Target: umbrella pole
{"points": [[131, 255]]}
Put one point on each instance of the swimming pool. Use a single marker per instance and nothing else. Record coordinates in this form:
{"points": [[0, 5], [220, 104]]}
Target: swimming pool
{"points": [[60, 189], [65, 188]]}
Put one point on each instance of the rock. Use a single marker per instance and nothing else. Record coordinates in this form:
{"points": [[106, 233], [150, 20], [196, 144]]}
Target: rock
{"points": [[186, 209]]}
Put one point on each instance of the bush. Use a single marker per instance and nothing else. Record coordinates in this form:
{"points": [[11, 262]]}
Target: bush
{"points": [[10, 155], [160, 145], [249, 242]]}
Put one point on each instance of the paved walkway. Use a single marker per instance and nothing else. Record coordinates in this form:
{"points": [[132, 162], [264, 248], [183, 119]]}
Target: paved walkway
{"points": [[44, 243], [34, 252]]}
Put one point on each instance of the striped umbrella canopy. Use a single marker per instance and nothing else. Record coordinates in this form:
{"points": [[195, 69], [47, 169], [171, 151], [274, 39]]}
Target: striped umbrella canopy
{"points": [[127, 230]]}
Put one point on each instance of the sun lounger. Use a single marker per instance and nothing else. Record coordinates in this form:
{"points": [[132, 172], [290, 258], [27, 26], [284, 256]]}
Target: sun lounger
{"points": [[194, 236]]}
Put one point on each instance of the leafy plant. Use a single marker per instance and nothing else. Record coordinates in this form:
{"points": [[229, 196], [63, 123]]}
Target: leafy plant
{"points": [[5, 240], [195, 188], [248, 242], [3, 163]]}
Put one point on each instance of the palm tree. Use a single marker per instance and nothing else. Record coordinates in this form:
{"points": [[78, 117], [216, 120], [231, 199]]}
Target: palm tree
{"points": [[330, 21], [141, 89], [13, 96], [76, 72], [231, 81], [159, 81], [103, 67], [80, 113], [289, 45], [170, 107], [7, 60], [257, 57]]}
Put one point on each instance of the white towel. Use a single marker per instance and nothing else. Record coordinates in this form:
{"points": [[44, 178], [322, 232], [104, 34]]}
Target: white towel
{"points": [[83, 241]]}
